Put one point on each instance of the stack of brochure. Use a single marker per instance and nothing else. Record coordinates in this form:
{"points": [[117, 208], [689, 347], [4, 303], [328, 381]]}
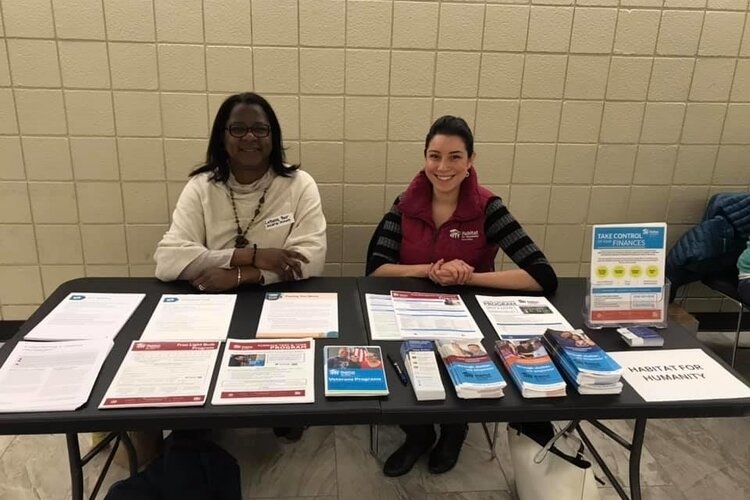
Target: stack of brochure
{"points": [[354, 371], [531, 368], [51, 376], [640, 336], [421, 365], [266, 372], [473, 373], [588, 367]]}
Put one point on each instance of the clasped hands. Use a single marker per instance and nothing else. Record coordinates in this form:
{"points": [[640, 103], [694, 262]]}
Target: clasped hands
{"points": [[286, 263], [454, 272]]}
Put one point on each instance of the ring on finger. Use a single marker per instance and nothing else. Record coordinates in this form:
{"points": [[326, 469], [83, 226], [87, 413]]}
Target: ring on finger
{"points": [[201, 288]]}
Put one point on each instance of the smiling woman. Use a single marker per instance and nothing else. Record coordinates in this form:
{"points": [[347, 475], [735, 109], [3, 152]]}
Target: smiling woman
{"points": [[245, 216]]}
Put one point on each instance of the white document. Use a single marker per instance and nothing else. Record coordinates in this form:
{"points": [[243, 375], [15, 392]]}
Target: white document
{"points": [[163, 374], [51, 376], [678, 375], [383, 324], [266, 372], [299, 315], [432, 316], [521, 318], [424, 375], [81, 316], [191, 317]]}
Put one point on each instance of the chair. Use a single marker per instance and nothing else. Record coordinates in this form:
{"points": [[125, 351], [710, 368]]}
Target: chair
{"points": [[726, 285]]}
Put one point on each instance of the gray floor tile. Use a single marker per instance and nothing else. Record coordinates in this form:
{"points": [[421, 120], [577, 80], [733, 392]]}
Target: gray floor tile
{"points": [[648, 493], [272, 468], [5, 442]]}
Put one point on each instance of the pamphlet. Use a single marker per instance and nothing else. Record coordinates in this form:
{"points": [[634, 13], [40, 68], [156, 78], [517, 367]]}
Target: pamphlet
{"points": [[51, 376], [83, 315], [191, 317], [521, 318], [627, 274], [266, 372], [299, 315], [354, 371], [679, 375], [157, 374], [433, 316], [383, 324]]}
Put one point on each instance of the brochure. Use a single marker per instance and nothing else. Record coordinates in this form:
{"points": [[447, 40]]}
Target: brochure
{"points": [[520, 318], [627, 274], [473, 373], [155, 374], [433, 316], [299, 315], [354, 371], [51, 376], [421, 365], [82, 316], [383, 324], [266, 372], [191, 317], [531, 368]]}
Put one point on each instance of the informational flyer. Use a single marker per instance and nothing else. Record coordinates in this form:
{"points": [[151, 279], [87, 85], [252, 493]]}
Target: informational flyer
{"points": [[433, 316], [383, 324], [156, 374], [299, 315], [627, 274], [266, 372], [82, 316], [521, 318], [678, 375], [191, 317], [51, 376]]}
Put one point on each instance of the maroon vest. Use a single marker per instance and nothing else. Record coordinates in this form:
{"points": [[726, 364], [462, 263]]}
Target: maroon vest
{"points": [[461, 237]]}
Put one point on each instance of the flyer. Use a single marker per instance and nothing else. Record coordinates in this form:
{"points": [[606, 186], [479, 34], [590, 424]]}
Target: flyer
{"points": [[627, 274], [266, 372]]}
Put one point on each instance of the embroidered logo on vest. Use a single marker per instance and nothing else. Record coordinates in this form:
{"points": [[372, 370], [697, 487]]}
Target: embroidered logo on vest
{"points": [[463, 235]]}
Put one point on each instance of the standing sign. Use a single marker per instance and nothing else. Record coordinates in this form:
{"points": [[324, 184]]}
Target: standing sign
{"points": [[627, 275]]}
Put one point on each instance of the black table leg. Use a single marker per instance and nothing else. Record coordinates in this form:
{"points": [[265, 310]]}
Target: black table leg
{"points": [[76, 466], [636, 447]]}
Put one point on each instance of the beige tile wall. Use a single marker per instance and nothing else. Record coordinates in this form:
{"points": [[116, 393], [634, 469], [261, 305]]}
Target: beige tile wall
{"points": [[589, 112]]}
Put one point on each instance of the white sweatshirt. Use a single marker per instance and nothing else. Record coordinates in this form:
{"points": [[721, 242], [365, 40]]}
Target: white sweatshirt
{"points": [[203, 227]]}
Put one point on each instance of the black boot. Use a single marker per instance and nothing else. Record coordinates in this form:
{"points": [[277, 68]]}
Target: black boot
{"points": [[291, 434], [445, 454], [419, 440]]}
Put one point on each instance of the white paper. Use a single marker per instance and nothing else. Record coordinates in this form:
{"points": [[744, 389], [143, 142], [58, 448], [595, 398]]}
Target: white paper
{"points": [[678, 375], [191, 317], [81, 316], [51, 376], [520, 318], [155, 374], [432, 316], [299, 315], [424, 375], [383, 324], [266, 372]]}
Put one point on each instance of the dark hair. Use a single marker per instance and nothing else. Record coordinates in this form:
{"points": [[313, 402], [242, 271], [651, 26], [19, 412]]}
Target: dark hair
{"points": [[217, 160], [451, 125]]}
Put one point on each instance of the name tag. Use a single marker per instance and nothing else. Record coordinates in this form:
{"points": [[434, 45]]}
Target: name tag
{"points": [[278, 221]]}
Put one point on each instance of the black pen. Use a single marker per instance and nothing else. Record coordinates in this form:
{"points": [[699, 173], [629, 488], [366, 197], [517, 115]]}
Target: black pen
{"points": [[399, 371]]}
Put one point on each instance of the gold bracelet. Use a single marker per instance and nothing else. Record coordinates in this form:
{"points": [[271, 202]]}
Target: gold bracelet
{"points": [[239, 275]]}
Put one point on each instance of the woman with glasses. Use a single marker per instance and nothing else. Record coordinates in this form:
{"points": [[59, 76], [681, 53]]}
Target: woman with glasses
{"points": [[245, 216]]}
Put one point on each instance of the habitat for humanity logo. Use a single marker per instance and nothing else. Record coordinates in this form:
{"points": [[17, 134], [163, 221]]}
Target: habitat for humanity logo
{"points": [[463, 235]]}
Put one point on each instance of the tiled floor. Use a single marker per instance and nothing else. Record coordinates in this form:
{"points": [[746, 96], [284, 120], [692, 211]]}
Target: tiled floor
{"points": [[682, 459]]}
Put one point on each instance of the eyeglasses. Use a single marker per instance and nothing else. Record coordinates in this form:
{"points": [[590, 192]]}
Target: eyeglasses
{"points": [[239, 130]]}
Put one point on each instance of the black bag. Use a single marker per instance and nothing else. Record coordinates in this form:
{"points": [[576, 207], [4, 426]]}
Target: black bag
{"points": [[189, 469]]}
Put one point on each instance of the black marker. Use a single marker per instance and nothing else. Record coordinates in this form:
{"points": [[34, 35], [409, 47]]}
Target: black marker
{"points": [[399, 371]]}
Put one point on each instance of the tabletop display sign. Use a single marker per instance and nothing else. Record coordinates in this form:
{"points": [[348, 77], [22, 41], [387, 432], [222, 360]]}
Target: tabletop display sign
{"points": [[627, 285]]}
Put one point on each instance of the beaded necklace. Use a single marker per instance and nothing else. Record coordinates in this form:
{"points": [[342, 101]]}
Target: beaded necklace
{"points": [[240, 241]]}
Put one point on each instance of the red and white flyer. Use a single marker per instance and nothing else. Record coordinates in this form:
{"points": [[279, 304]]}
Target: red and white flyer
{"points": [[157, 374], [266, 371]]}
